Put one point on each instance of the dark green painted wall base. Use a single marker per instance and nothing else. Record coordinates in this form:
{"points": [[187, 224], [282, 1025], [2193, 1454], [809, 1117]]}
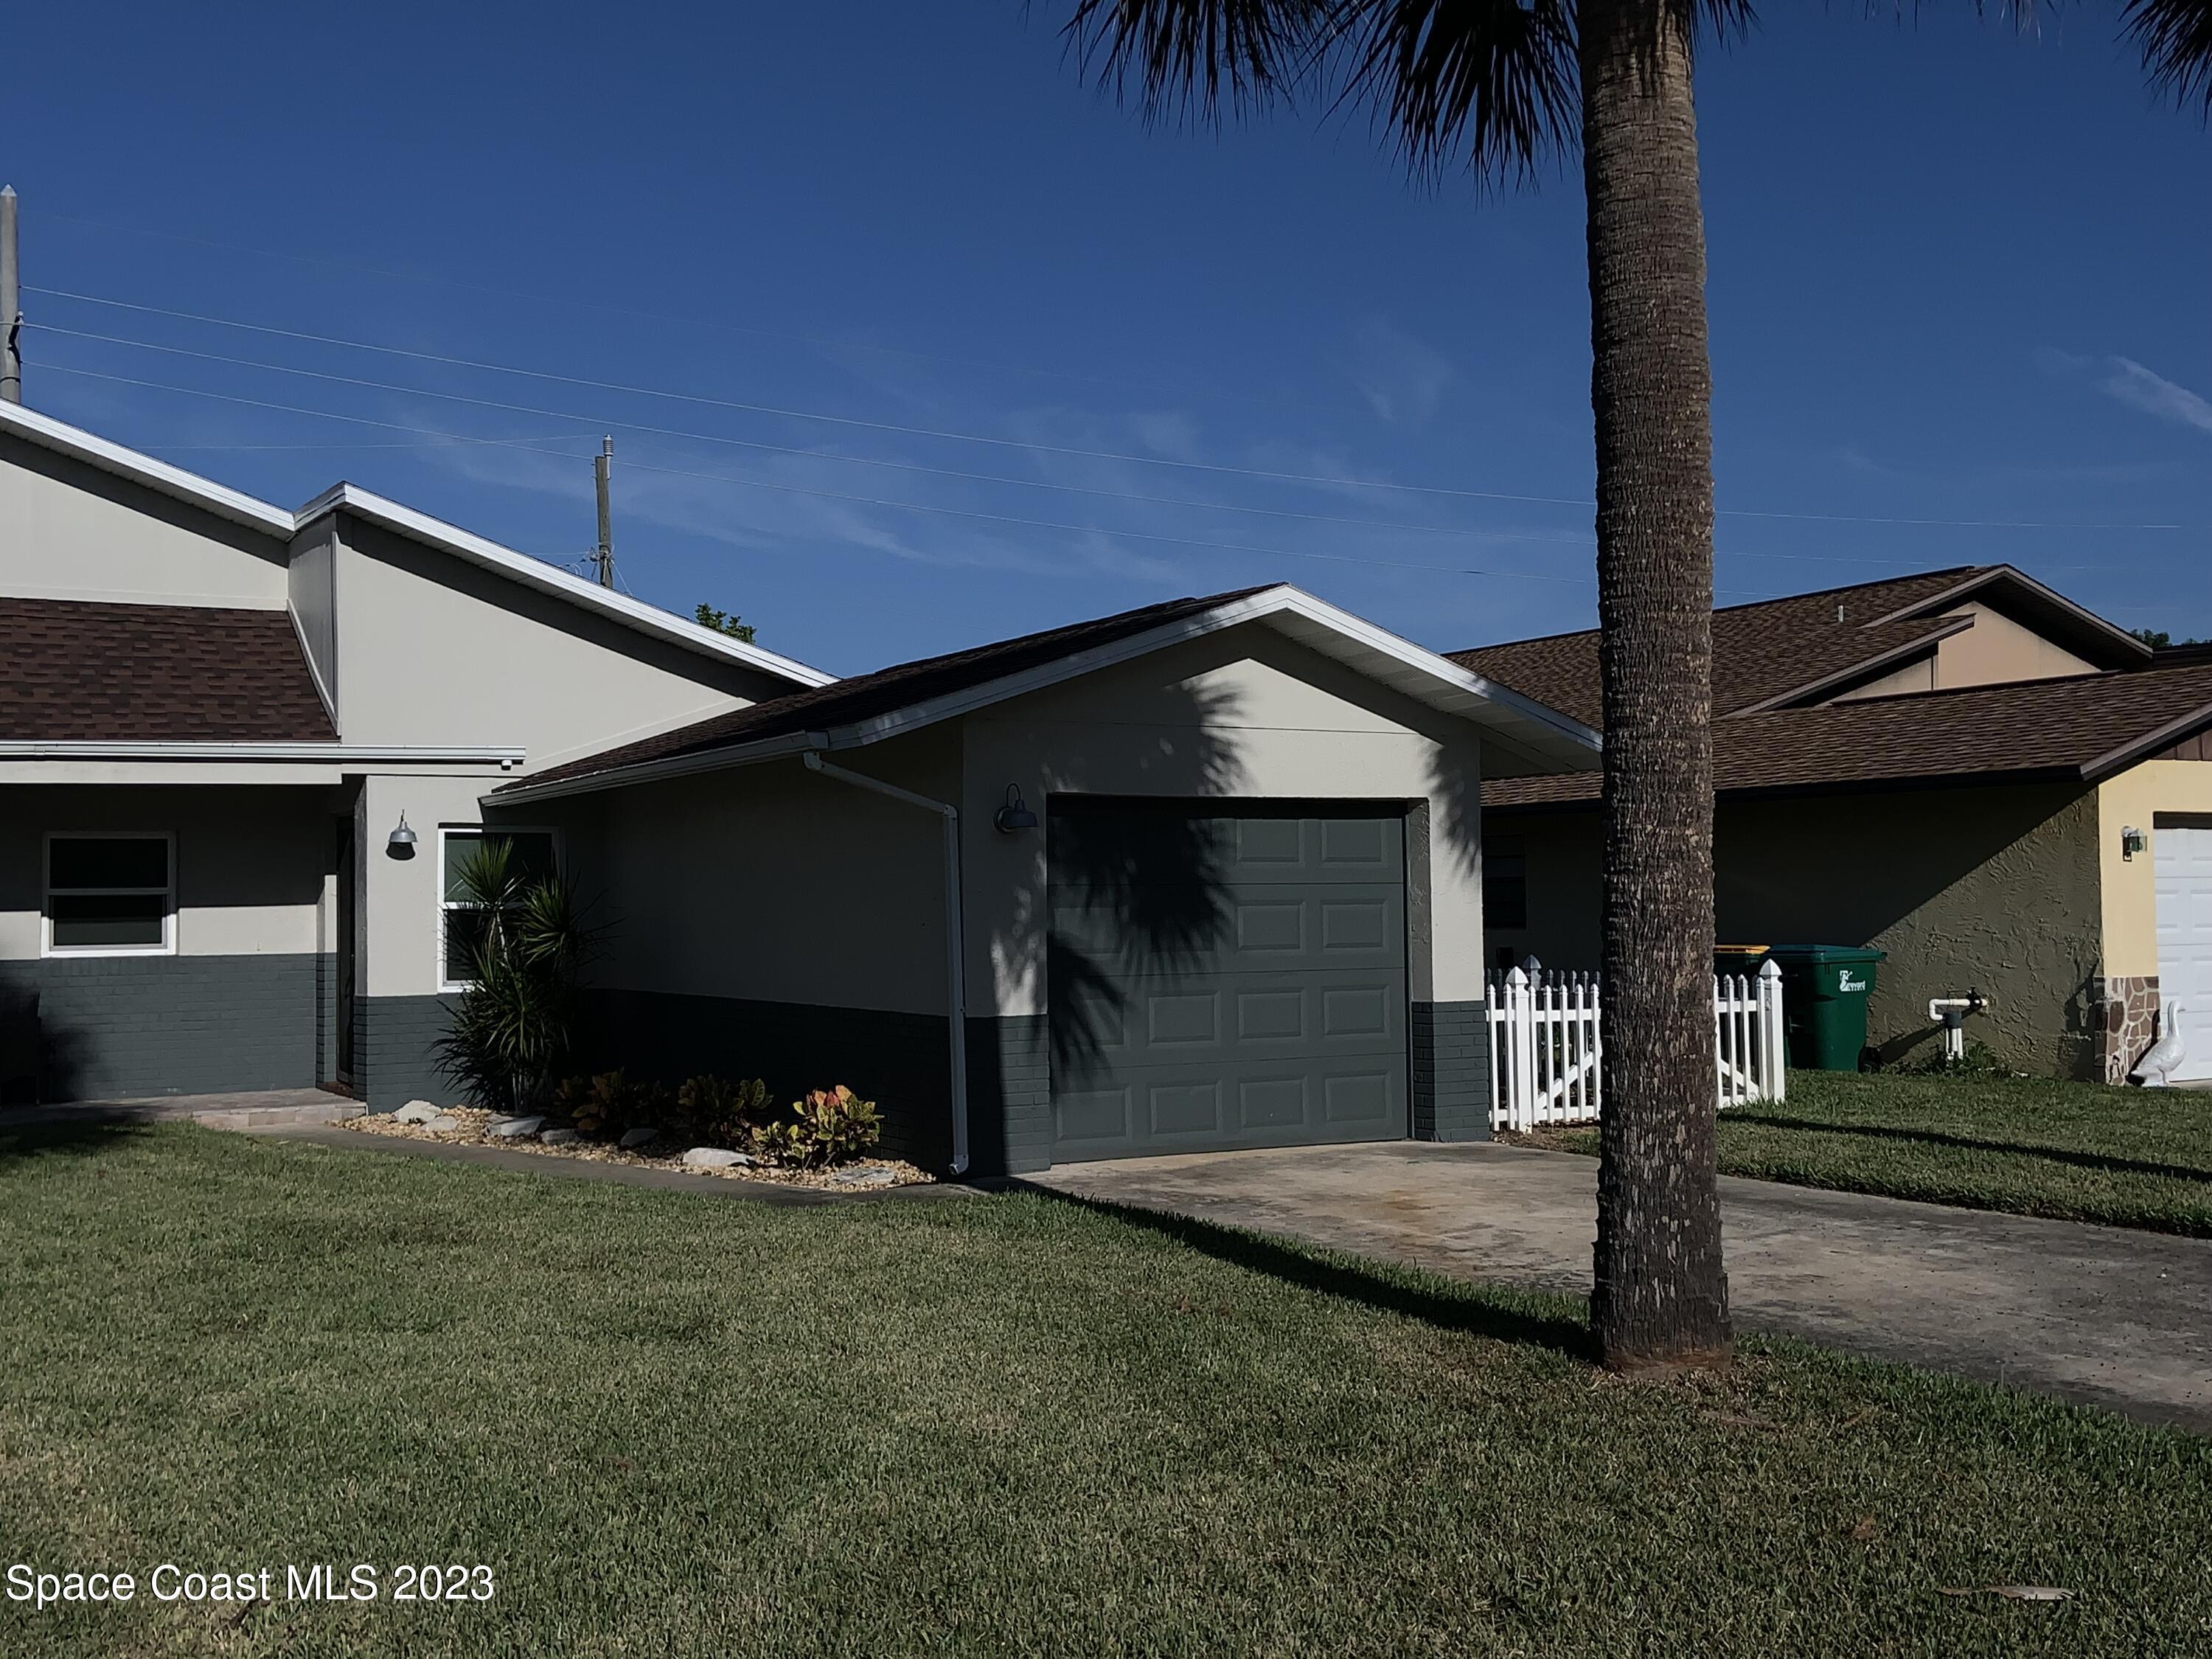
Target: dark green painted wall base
{"points": [[898, 1060], [394, 1060], [123, 1027], [1451, 1072]]}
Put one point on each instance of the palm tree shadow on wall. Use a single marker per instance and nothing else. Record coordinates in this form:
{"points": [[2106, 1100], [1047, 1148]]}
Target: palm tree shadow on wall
{"points": [[1133, 888]]}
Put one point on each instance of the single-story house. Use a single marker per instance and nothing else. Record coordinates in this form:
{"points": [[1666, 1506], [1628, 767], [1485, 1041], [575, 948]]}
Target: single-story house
{"points": [[1963, 769], [1204, 874]]}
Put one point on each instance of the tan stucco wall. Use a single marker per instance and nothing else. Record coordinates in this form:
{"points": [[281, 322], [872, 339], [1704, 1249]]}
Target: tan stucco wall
{"points": [[1241, 712], [429, 649], [1996, 648], [1994, 889], [250, 868], [1913, 676], [74, 532], [2134, 800], [398, 917]]}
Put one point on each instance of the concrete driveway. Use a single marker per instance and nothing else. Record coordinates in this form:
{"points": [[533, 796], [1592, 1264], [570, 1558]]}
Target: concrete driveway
{"points": [[2099, 1314]]}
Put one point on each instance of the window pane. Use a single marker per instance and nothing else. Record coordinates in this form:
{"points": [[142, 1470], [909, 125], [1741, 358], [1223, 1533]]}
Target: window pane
{"points": [[103, 861], [464, 933], [107, 919], [530, 854]]}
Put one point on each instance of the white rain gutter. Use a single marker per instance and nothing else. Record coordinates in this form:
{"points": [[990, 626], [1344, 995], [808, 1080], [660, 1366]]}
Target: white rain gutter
{"points": [[954, 944], [194, 749]]}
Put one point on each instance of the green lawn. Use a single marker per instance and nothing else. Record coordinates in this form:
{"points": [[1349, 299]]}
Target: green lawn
{"points": [[2128, 1157], [684, 1426]]}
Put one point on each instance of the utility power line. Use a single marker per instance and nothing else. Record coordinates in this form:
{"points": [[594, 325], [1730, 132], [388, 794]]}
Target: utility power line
{"points": [[536, 447], [1319, 480], [820, 342], [911, 507]]}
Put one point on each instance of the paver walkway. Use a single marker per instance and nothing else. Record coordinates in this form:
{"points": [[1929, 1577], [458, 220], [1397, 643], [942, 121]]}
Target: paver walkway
{"points": [[2105, 1315]]}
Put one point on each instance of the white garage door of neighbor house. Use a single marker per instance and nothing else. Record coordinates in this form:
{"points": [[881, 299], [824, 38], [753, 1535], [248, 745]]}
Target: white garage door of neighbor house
{"points": [[2183, 861]]}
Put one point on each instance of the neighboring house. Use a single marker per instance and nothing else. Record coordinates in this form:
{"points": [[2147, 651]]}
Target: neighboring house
{"points": [[213, 712], [2002, 791], [1203, 875]]}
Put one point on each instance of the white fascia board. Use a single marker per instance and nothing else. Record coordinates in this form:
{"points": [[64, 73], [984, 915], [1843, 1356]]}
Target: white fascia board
{"points": [[1426, 676], [550, 579], [313, 754], [172, 481], [1543, 734]]}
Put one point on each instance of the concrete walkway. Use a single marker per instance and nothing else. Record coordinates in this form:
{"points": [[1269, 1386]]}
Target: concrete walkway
{"points": [[260, 1108], [2103, 1316]]}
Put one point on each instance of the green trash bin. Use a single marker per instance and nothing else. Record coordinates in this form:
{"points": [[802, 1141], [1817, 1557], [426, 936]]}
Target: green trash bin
{"points": [[1824, 989]]}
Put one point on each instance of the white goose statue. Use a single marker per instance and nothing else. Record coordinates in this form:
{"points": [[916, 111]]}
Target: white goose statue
{"points": [[2163, 1058]]}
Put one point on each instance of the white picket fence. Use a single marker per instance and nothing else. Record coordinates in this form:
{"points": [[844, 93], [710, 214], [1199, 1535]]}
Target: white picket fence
{"points": [[1547, 1065]]}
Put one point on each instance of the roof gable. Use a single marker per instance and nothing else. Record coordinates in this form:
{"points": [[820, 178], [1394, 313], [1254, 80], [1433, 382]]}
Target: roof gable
{"points": [[1774, 652], [238, 507], [908, 695]]}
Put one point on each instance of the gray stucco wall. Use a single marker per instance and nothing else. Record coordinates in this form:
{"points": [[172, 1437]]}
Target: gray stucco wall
{"points": [[121, 1027]]}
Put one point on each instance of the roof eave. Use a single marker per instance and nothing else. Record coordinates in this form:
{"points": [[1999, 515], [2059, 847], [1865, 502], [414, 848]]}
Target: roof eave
{"points": [[1539, 734], [1895, 657]]}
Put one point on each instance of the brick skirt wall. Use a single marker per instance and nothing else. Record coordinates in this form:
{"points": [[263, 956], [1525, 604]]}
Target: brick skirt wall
{"points": [[126, 1027]]}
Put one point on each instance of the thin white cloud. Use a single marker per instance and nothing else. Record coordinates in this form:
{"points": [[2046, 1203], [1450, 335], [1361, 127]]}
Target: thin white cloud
{"points": [[2139, 388], [1402, 380]]}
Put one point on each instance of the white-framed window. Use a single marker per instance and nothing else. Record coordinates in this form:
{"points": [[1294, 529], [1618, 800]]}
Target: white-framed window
{"points": [[460, 923], [110, 893]]}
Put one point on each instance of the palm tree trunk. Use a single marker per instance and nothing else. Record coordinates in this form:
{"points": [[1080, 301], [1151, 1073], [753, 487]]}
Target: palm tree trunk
{"points": [[1660, 1293]]}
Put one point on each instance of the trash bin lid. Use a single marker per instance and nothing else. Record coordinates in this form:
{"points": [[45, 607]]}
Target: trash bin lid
{"points": [[1819, 953]]}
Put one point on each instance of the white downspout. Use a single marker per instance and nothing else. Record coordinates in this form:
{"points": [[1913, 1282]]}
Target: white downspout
{"points": [[955, 945]]}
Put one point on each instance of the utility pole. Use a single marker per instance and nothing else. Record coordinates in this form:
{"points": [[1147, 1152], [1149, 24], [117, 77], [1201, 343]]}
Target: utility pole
{"points": [[11, 306], [603, 466]]}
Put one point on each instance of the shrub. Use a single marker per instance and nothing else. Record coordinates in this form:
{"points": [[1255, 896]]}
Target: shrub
{"points": [[831, 1126], [602, 1107], [717, 1111], [510, 1031]]}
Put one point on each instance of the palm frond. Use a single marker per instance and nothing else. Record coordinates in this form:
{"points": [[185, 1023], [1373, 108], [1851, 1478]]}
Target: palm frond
{"points": [[2176, 39], [1493, 81], [1198, 58]]}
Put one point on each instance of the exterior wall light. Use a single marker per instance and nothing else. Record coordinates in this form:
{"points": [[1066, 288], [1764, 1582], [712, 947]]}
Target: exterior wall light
{"points": [[1014, 815], [2131, 840], [401, 845]]}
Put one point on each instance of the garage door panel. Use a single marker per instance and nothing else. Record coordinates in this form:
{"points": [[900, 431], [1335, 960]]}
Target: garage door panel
{"points": [[1168, 1109], [1210, 1022], [1119, 845], [1275, 926]]}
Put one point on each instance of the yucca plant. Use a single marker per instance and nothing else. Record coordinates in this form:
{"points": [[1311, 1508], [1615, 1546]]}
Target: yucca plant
{"points": [[513, 1031]]}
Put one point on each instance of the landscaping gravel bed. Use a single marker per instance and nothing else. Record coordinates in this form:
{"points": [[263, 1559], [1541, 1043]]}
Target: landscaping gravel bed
{"points": [[469, 1125]]}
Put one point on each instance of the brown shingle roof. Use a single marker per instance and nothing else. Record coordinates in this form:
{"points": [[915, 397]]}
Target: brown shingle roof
{"points": [[887, 690], [1760, 650], [72, 671], [2080, 726]]}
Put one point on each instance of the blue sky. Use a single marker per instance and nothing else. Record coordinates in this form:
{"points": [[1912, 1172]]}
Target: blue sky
{"points": [[1958, 285]]}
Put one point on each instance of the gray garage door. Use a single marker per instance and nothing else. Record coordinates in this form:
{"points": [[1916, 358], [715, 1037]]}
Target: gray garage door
{"points": [[1235, 979]]}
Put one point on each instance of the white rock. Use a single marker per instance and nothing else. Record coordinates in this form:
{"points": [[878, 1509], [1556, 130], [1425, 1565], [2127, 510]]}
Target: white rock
{"points": [[439, 1125], [866, 1177], [417, 1111], [644, 1135], [715, 1158], [557, 1137], [515, 1128]]}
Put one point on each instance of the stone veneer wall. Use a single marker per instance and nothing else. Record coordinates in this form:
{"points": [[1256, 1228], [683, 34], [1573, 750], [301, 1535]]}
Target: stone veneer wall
{"points": [[2127, 1021]]}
